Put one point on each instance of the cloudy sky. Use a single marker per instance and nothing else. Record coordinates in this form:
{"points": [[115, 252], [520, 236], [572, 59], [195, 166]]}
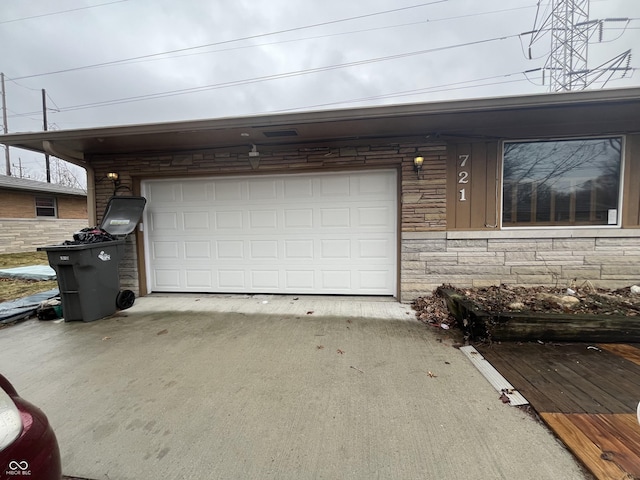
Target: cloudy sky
{"points": [[114, 62]]}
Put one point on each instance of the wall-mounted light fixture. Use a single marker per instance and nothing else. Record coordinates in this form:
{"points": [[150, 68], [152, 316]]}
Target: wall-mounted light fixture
{"points": [[254, 157], [417, 165]]}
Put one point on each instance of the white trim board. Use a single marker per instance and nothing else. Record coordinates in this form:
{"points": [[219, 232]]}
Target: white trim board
{"points": [[493, 376]]}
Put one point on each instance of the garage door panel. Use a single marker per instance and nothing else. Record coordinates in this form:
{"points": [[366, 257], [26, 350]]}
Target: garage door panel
{"points": [[298, 218], [198, 192], [165, 250], [229, 220], [196, 221], [198, 279], [167, 278], [231, 280], [297, 189], [166, 192], [263, 219], [335, 217], [197, 250], [299, 249], [230, 249], [164, 221], [264, 189], [320, 233], [260, 249], [265, 280]]}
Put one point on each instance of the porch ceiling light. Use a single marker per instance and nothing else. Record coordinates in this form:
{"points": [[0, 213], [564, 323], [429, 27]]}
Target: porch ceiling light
{"points": [[417, 165]]}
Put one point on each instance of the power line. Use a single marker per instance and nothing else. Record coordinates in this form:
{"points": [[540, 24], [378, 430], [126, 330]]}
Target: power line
{"points": [[250, 37], [315, 37], [234, 83], [60, 12]]}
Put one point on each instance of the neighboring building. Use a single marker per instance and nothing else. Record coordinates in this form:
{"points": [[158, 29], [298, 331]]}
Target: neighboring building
{"points": [[539, 189], [33, 214]]}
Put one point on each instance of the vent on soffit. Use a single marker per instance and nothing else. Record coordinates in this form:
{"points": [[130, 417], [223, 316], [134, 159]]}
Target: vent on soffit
{"points": [[280, 133]]}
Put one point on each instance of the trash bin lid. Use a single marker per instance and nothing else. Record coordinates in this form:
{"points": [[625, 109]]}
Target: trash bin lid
{"points": [[122, 214]]}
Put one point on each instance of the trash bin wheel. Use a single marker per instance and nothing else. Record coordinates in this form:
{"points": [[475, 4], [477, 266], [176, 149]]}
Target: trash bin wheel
{"points": [[125, 299]]}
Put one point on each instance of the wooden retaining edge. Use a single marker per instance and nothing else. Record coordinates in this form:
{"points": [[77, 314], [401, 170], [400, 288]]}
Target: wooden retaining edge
{"points": [[547, 327]]}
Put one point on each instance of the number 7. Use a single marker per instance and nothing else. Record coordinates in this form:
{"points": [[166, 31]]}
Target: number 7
{"points": [[463, 159]]}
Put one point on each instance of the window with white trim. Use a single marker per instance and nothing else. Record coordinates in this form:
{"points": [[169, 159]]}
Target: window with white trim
{"points": [[562, 182], [46, 207]]}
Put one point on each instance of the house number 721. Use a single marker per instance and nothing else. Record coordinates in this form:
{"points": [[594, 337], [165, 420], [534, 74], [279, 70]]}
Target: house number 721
{"points": [[463, 177]]}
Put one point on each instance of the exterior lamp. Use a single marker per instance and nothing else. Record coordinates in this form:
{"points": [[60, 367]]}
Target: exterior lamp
{"points": [[115, 178], [417, 165]]}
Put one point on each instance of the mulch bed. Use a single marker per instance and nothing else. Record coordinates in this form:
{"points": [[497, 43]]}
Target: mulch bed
{"points": [[432, 309]]}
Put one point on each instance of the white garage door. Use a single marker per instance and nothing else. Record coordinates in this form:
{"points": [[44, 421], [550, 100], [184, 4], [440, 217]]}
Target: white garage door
{"points": [[313, 234]]}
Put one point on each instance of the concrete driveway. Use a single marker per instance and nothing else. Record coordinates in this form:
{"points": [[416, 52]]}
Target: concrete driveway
{"points": [[233, 387]]}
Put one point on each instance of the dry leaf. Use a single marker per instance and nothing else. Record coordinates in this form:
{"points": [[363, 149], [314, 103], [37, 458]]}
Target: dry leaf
{"points": [[340, 351], [432, 375], [162, 332], [319, 347]]}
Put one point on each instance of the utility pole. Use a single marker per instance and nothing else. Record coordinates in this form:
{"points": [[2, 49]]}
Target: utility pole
{"points": [[47, 166], [6, 128]]}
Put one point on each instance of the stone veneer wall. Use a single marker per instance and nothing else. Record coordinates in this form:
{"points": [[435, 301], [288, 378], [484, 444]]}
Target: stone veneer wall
{"points": [[423, 200], [25, 235], [608, 258], [429, 256]]}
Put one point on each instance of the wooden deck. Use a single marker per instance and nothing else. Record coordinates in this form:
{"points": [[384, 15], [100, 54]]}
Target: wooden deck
{"points": [[586, 393]]}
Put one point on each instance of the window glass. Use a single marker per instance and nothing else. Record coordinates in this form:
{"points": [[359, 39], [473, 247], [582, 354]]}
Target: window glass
{"points": [[565, 182], [45, 207]]}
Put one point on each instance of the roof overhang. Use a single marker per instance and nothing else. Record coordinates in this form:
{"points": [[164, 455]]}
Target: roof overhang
{"points": [[599, 112]]}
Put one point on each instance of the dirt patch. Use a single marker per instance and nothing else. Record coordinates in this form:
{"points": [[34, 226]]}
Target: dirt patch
{"points": [[584, 300], [11, 288]]}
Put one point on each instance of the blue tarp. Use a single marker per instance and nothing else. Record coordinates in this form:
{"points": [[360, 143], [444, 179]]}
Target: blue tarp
{"points": [[33, 272], [24, 307]]}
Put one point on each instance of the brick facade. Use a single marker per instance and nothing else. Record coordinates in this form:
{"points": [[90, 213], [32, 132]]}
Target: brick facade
{"points": [[24, 235], [16, 204]]}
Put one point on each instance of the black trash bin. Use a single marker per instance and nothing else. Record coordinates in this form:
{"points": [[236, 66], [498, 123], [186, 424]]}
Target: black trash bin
{"points": [[88, 276]]}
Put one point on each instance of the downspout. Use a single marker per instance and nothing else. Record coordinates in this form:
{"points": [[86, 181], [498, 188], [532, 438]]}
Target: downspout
{"points": [[77, 158]]}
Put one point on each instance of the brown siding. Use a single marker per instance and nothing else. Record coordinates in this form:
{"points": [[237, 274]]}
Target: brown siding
{"points": [[631, 195], [471, 186]]}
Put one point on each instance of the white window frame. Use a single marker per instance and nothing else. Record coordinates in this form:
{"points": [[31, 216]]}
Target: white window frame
{"points": [[54, 206], [617, 225]]}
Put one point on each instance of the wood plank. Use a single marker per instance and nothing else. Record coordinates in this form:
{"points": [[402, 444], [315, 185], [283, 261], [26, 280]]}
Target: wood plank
{"points": [[602, 392], [530, 378], [605, 432], [582, 447], [570, 378], [626, 351]]}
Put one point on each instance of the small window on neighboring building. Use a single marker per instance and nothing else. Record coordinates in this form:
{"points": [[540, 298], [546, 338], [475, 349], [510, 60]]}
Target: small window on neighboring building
{"points": [[561, 183], [45, 207]]}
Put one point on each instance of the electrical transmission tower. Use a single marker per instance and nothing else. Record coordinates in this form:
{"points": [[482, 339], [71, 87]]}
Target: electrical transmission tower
{"points": [[569, 45], [571, 33]]}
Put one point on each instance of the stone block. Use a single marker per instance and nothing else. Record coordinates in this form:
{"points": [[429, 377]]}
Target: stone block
{"points": [[481, 258], [540, 269], [536, 280], [583, 244]]}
